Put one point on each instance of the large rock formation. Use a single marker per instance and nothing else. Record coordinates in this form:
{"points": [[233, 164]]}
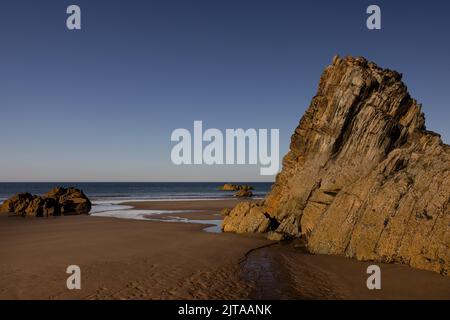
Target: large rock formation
{"points": [[56, 202], [363, 178]]}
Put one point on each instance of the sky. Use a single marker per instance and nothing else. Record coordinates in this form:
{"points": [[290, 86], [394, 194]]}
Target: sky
{"points": [[100, 103]]}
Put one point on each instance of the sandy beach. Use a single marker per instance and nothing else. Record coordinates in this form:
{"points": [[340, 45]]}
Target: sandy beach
{"points": [[131, 259]]}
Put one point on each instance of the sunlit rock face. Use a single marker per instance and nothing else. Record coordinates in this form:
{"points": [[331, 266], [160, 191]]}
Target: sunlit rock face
{"points": [[363, 177]]}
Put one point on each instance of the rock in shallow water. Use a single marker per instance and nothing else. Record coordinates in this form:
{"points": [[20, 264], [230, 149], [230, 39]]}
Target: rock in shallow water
{"points": [[363, 177], [243, 194], [235, 187], [56, 202]]}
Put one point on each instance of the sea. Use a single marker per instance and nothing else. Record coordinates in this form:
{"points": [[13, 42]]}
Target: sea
{"points": [[135, 191], [107, 197]]}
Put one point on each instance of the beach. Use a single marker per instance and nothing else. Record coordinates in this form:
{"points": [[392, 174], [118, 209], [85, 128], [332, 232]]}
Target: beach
{"points": [[156, 259]]}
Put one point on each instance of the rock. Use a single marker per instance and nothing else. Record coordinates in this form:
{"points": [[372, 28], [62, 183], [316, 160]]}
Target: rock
{"points": [[225, 212], [276, 236], [35, 207], [246, 217], [235, 187], [70, 200], [243, 194], [228, 187], [363, 177], [51, 207], [18, 203], [56, 202]]}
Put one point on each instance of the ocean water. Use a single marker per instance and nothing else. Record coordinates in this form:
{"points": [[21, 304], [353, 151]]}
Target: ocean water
{"points": [[116, 192], [108, 196]]}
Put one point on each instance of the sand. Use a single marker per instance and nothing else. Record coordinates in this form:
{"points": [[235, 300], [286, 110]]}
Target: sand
{"points": [[131, 259]]}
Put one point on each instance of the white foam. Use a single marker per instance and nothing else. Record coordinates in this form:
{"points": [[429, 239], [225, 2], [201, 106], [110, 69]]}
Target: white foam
{"points": [[122, 214], [216, 225], [127, 212], [96, 208]]}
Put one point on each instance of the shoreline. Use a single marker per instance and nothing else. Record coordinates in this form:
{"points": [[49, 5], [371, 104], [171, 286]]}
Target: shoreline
{"points": [[138, 259], [208, 205]]}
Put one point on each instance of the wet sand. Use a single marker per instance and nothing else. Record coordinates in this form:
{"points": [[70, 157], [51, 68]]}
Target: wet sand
{"points": [[299, 275], [130, 259], [119, 259]]}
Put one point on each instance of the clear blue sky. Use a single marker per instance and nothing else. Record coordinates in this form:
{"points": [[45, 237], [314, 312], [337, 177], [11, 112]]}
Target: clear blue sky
{"points": [[100, 104]]}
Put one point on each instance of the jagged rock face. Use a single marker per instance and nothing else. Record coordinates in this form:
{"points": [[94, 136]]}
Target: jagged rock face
{"points": [[56, 202], [363, 178]]}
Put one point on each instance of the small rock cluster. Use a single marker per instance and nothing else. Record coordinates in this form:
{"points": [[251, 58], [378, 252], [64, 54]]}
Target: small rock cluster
{"points": [[242, 191]]}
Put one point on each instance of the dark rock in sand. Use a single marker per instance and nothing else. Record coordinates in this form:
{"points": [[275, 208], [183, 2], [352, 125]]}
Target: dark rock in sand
{"points": [[70, 200], [17, 203], [51, 207], [56, 202]]}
